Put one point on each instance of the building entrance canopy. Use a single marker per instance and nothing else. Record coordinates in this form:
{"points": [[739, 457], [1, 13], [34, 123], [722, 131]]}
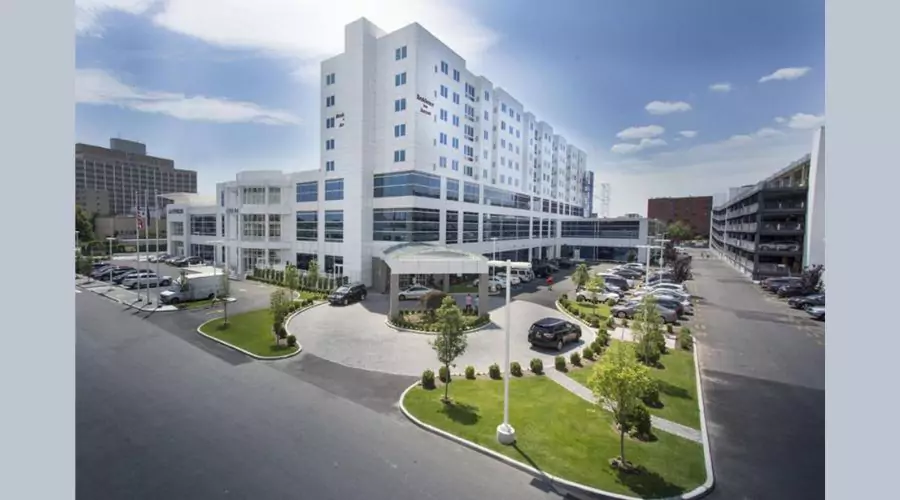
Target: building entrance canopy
{"points": [[422, 258]]}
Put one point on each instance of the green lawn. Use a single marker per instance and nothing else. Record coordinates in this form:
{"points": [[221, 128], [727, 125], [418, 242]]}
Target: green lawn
{"points": [[463, 288], [251, 331], [588, 308], [677, 391], [562, 434]]}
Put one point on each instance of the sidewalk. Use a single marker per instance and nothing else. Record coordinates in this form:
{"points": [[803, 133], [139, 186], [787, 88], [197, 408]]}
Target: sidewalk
{"points": [[659, 423], [123, 296]]}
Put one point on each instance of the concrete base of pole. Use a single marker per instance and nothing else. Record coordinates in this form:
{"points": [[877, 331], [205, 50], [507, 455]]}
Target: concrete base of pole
{"points": [[506, 435]]}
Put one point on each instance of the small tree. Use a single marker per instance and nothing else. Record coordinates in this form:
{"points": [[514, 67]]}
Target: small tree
{"points": [[581, 276], [812, 278], [83, 265], [679, 231], [681, 268], [450, 342], [648, 332], [279, 305], [83, 224], [312, 274], [669, 254], [595, 286], [291, 277], [618, 379], [632, 256]]}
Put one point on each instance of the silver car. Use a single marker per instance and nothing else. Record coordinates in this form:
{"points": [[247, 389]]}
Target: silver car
{"points": [[414, 292], [629, 309]]}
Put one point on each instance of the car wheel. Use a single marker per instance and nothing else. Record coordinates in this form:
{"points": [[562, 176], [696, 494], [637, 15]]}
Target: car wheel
{"points": [[579, 298], [164, 283], [346, 302], [174, 301], [402, 297], [622, 314], [559, 345], [210, 296]]}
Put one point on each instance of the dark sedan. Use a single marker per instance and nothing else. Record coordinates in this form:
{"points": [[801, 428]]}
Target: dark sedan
{"points": [[553, 332], [806, 301], [793, 289]]}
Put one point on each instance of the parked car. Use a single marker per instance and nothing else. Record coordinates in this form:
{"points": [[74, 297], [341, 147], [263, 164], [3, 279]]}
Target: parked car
{"points": [[525, 275], [188, 261], [678, 287], [513, 279], [99, 265], [792, 289], [773, 284], [664, 277], [565, 263], [602, 296], [662, 293], [553, 332], [115, 272], [348, 293], [158, 258], [627, 273], [803, 302], [635, 265], [816, 312], [680, 307], [541, 270], [102, 272], [493, 281], [414, 292], [173, 258], [145, 280], [615, 280], [119, 278], [629, 309]]}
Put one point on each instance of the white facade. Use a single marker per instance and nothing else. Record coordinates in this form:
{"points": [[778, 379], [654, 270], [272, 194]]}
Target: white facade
{"points": [[814, 246], [414, 148]]}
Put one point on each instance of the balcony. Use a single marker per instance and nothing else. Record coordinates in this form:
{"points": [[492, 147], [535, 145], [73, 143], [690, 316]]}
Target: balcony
{"points": [[747, 227], [747, 210], [785, 207], [781, 227], [784, 248]]}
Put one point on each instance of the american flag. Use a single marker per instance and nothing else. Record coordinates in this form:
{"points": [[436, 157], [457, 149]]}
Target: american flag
{"points": [[139, 215]]}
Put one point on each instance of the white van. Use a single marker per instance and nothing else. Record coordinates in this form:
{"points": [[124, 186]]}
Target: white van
{"points": [[524, 275], [195, 287]]}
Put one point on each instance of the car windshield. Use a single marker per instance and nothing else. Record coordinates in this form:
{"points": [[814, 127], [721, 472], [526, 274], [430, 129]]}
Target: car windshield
{"points": [[342, 289]]}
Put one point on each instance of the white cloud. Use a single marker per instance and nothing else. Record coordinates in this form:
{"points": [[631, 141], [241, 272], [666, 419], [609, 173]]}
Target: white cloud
{"points": [[767, 132], [720, 87], [301, 29], [666, 107], [647, 132], [87, 12], [625, 148], [688, 133], [780, 119], [785, 74], [803, 121], [97, 87]]}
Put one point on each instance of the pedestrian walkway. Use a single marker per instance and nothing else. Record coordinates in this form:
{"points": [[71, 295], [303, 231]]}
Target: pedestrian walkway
{"points": [[662, 424]]}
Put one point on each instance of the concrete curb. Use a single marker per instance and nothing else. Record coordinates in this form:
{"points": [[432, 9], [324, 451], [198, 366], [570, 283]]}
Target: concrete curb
{"points": [[256, 356], [580, 321], [710, 482], [421, 332], [695, 493]]}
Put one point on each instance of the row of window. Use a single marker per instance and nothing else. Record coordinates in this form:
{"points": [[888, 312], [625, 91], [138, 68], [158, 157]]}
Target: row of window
{"points": [[309, 191], [308, 225]]}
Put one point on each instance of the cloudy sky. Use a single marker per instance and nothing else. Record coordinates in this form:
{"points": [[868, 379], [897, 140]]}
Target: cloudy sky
{"points": [[669, 98]]}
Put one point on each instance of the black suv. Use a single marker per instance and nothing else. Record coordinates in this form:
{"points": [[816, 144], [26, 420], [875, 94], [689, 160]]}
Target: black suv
{"points": [[553, 332], [346, 294]]}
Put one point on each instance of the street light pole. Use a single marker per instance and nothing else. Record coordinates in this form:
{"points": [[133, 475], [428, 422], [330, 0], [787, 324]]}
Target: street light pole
{"points": [[493, 252], [110, 240]]}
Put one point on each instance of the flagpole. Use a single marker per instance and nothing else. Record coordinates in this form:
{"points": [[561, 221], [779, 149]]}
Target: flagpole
{"points": [[156, 206], [137, 230], [147, 236]]}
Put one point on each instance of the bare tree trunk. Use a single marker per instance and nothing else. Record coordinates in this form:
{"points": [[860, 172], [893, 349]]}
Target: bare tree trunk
{"points": [[622, 444], [447, 383]]}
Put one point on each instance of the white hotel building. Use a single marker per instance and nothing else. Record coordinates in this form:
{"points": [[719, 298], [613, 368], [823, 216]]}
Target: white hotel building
{"points": [[415, 149]]}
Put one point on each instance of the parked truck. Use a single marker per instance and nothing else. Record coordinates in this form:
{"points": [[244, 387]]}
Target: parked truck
{"points": [[190, 287]]}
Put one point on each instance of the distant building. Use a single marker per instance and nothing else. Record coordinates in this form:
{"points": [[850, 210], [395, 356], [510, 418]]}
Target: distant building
{"points": [[106, 179], [692, 210]]}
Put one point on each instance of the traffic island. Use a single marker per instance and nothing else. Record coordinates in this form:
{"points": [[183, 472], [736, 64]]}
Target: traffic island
{"points": [[559, 436], [250, 333]]}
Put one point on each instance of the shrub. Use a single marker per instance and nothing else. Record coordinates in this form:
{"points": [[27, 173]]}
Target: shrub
{"points": [[537, 366], [563, 298], [594, 321], [444, 374], [651, 395], [515, 369], [470, 372], [639, 422], [494, 371], [560, 363], [669, 328], [597, 346], [602, 337], [625, 322], [575, 359], [292, 340], [611, 322], [588, 353], [684, 339], [428, 379]]}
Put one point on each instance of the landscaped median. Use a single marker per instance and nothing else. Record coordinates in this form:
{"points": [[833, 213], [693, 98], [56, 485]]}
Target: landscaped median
{"points": [[255, 333], [423, 322], [560, 434]]}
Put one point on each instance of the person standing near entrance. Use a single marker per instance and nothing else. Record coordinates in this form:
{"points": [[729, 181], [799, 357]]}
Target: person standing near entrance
{"points": [[468, 303], [476, 306]]}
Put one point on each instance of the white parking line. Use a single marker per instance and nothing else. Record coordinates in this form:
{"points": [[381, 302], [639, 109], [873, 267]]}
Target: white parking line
{"points": [[77, 291]]}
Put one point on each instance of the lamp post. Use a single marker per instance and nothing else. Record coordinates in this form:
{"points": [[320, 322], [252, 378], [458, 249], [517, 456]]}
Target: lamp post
{"points": [[110, 240], [505, 432], [493, 252]]}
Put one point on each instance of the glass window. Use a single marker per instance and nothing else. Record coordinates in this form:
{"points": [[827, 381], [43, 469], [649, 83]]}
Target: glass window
{"points": [[274, 195], [308, 225], [203, 225], [453, 189], [451, 233], [274, 227], [407, 184], [400, 53], [500, 198], [505, 227], [406, 224], [334, 225], [253, 196], [400, 104], [600, 229], [400, 79], [470, 227], [471, 192], [307, 191], [334, 189], [253, 227], [177, 228]]}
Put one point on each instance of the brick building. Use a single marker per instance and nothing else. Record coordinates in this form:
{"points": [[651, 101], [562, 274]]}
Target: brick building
{"points": [[695, 211]]}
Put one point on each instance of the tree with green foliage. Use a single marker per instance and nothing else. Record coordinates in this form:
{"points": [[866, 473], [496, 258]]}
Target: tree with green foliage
{"points": [[679, 231], [279, 305], [596, 286], [581, 276], [451, 341], [83, 265], [631, 256], [83, 224], [312, 274], [291, 277], [648, 332], [620, 381], [432, 301]]}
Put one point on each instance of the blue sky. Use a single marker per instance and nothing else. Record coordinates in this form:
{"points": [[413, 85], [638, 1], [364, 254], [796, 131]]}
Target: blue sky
{"points": [[227, 85]]}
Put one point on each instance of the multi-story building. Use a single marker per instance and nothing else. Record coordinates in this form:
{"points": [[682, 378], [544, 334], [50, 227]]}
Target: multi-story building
{"points": [[694, 211], [415, 149], [108, 179], [777, 226]]}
